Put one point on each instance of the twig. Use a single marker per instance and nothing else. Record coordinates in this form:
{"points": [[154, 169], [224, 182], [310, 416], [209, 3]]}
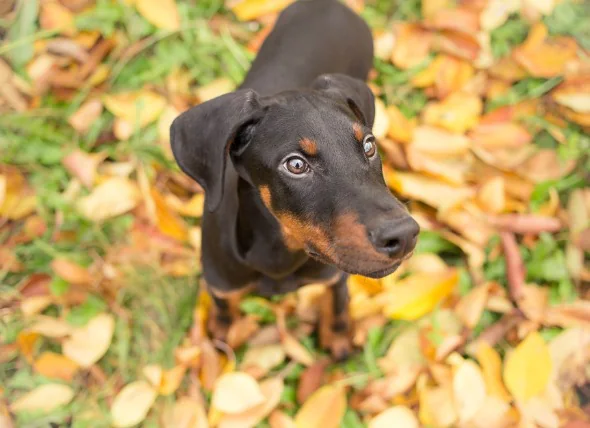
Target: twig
{"points": [[515, 269]]}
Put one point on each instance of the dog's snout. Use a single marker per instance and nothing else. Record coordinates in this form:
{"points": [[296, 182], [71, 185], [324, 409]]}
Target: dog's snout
{"points": [[395, 238]]}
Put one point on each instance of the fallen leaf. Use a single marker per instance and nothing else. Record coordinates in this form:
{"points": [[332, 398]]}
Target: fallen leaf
{"points": [[471, 306], [86, 115], [153, 373], [51, 327], [404, 354], [296, 350], [400, 127], [458, 112], [83, 165], [528, 368], [279, 419], [544, 56], [492, 195], [272, 390], [171, 380], [437, 407], [236, 393], [71, 272], [247, 10], [412, 45], [381, 121], [161, 13], [325, 408], [397, 416], [168, 222], [310, 380], [419, 294], [492, 413], [26, 342], [43, 398], [132, 404], [88, 344], [113, 197], [469, 390], [54, 16], [500, 135], [544, 165], [215, 89], [264, 358], [137, 107], [241, 330], [496, 13], [17, 198], [187, 413], [50, 364], [569, 314], [438, 142], [574, 95]]}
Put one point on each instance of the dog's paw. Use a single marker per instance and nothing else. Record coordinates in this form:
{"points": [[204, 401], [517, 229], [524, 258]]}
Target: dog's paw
{"points": [[218, 329], [340, 346]]}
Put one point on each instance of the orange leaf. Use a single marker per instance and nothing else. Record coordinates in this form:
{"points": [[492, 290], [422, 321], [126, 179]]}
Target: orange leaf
{"points": [[83, 165], [500, 135], [542, 56], [323, 409], [54, 16], [54, 365], [412, 46], [86, 115], [71, 272], [463, 45], [26, 344], [247, 10], [459, 19], [400, 127], [168, 222]]}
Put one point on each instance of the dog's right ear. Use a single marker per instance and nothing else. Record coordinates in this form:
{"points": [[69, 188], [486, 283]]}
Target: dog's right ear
{"points": [[201, 138]]}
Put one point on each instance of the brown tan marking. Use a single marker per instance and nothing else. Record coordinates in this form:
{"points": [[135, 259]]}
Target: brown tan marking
{"points": [[351, 233], [308, 146], [266, 197], [298, 232], [358, 132]]}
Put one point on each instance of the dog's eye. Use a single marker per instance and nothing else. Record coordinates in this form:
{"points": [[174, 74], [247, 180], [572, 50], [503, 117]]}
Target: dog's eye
{"points": [[369, 146], [296, 165]]}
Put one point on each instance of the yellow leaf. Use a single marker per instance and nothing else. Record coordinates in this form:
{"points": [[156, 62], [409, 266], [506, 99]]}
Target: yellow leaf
{"points": [[296, 350], [397, 416], [436, 407], [236, 392], [132, 404], [492, 196], [54, 365], [171, 380], [528, 367], [44, 398], [88, 344], [215, 89], [162, 13], [457, 113], [471, 306], [153, 373], [26, 342], [137, 107], [54, 16], [168, 223], [111, 198], [412, 45], [17, 199], [247, 10], [419, 294], [400, 127], [272, 390], [51, 327], [491, 365], [324, 408], [469, 390]]}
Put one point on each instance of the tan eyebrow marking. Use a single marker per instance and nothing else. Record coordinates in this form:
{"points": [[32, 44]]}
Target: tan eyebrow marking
{"points": [[358, 132], [308, 146]]}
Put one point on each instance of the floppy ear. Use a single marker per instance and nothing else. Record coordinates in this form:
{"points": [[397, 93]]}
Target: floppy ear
{"points": [[354, 92], [201, 138]]}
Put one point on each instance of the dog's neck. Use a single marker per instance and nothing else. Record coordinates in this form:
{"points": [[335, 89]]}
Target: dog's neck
{"points": [[259, 236]]}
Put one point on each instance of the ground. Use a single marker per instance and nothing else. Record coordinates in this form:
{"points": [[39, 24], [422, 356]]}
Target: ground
{"points": [[483, 113]]}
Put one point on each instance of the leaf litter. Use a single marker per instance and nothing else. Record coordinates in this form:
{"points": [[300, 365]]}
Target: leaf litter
{"points": [[483, 115]]}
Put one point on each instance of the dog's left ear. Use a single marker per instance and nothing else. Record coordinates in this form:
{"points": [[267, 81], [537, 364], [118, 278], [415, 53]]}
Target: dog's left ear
{"points": [[354, 92]]}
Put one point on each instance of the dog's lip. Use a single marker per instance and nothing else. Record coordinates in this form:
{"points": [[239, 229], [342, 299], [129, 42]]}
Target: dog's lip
{"points": [[380, 273]]}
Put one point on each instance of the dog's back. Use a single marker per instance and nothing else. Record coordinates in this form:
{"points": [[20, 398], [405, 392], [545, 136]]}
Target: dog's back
{"points": [[310, 38]]}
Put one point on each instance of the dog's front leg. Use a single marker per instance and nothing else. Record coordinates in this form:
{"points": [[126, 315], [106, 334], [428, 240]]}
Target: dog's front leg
{"points": [[335, 324], [224, 310]]}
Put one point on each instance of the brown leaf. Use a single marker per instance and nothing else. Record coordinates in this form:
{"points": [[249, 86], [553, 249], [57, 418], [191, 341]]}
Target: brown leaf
{"points": [[54, 365], [400, 127], [569, 314], [241, 330], [310, 380], [525, 223], [436, 407], [54, 16], [51, 327]]}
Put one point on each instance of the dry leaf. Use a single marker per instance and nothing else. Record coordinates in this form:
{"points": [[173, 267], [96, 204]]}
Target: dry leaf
{"points": [[310, 380], [168, 222], [272, 389], [247, 10], [528, 368], [86, 115], [50, 364], [471, 306], [51, 327], [83, 165], [325, 408], [296, 350], [492, 413], [71, 272], [419, 294], [400, 127], [88, 344], [138, 107], [397, 416], [500, 135], [437, 407], [171, 380], [215, 89], [43, 398], [438, 142], [54, 16], [491, 365], [187, 413], [469, 390], [280, 419], [132, 404], [456, 113], [112, 198], [161, 13], [236, 393], [412, 46], [264, 358], [492, 195]]}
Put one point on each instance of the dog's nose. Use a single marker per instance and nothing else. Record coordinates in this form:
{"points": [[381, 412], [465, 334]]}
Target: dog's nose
{"points": [[395, 238]]}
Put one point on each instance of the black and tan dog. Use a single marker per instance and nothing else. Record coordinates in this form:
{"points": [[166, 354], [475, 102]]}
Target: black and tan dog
{"points": [[293, 181]]}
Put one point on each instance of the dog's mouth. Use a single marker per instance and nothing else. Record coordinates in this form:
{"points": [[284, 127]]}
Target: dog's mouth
{"points": [[357, 268]]}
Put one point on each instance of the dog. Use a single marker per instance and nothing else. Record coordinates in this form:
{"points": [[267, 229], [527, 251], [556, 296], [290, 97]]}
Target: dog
{"points": [[294, 188]]}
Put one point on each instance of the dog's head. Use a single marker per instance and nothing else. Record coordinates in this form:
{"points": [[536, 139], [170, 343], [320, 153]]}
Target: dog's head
{"points": [[314, 161]]}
